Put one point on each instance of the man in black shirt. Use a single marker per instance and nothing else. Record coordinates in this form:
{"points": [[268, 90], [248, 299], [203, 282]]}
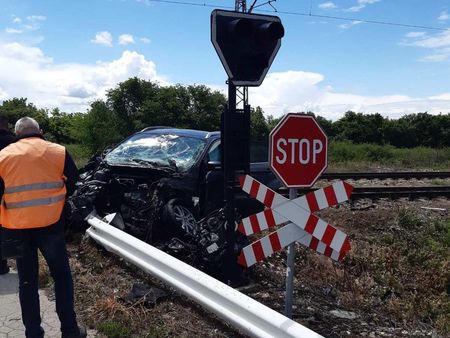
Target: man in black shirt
{"points": [[6, 138]]}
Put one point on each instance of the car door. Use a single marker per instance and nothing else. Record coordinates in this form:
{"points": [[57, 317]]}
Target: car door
{"points": [[212, 195]]}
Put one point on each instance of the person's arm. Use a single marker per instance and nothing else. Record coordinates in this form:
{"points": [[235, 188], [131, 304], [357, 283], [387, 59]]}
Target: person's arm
{"points": [[71, 173]]}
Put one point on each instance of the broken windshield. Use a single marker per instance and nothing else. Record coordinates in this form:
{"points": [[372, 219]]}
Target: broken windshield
{"points": [[157, 150]]}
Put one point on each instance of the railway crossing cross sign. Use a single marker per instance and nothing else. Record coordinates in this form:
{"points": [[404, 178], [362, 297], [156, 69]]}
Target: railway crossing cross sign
{"points": [[298, 150], [301, 225]]}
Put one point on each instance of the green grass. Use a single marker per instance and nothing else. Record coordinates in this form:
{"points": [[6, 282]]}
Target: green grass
{"points": [[362, 156], [113, 330], [427, 252], [157, 331]]}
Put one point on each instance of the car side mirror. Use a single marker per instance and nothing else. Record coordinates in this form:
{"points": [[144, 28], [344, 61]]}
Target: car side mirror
{"points": [[214, 165]]}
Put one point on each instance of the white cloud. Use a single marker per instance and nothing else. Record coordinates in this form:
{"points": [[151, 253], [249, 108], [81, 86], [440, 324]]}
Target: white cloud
{"points": [[103, 38], [444, 16], [350, 24], [3, 94], [415, 34], [297, 91], [438, 43], [145, 2], [362, 4], [444, 96], [126, 39], [32, 23], [327, 5], [436, 57], [145, 40], [10, 30], [21, 53], [27, 72], [36, 18]]}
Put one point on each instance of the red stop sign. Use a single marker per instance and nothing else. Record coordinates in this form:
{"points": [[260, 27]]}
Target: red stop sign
{"points": [[298, 150]]}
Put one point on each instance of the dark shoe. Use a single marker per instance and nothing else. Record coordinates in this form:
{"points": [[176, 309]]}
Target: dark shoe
{"points": [[4, 268], [81, 333]]}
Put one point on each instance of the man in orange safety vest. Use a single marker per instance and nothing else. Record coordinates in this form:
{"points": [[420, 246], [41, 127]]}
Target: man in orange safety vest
{"points": [[37, 176]]}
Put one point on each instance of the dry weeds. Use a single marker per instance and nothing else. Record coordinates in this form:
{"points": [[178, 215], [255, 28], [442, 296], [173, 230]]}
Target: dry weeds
{"points": [[393, 282]]}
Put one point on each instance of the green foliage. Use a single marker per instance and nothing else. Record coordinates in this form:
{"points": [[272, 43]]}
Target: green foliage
{"points": [[272, 121], [136, 103], [411, 130], [99, 128], [113, 330], [259, 129], [17, 108], [408, 220], [79, 153], [327, 126], [60, 127], [140, 103]]}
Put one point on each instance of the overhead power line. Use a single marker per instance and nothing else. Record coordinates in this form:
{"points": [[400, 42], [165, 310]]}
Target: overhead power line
{"points": [[376, 22]]}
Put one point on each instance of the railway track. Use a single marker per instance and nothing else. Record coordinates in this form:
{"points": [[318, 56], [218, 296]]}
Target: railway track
{"points": [[401, 192], [385, 175], [389, 192]]}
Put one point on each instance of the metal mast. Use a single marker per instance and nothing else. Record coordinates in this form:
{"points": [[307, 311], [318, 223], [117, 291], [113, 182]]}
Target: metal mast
{"points": [[241, 92], [240, 6]]}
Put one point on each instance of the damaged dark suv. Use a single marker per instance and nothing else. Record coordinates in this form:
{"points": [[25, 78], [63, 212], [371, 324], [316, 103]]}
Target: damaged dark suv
{"points": [[161, 183]]}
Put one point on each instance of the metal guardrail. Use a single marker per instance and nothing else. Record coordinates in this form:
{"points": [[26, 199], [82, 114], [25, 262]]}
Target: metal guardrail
{"points": [[245, 313]]}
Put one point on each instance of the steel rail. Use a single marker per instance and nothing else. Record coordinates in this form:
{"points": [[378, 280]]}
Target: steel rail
{"points": [[389, 192], [384, 175], [399, 192], [245, 313]]}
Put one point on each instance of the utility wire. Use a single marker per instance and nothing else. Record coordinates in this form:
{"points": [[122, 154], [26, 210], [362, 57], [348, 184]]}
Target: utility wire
{"points": [[377, 22], [197, 4]]}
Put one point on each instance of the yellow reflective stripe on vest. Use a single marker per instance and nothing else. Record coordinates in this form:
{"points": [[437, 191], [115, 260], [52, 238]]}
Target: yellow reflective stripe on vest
{"points": [[34, 202], [34, 186]]}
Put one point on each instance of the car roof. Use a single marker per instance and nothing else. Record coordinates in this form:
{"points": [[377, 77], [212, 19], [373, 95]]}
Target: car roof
{"points": [[183, 132]]}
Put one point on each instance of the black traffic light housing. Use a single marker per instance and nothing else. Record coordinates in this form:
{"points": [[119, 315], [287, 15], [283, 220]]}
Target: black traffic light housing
{"points": [[246, 44]]}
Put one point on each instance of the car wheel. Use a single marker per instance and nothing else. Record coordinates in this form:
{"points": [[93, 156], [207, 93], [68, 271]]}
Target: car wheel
{"points": [[179, 218]]}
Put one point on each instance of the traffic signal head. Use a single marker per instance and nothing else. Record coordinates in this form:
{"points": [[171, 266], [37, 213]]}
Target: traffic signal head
{"points": [[246, 44]]}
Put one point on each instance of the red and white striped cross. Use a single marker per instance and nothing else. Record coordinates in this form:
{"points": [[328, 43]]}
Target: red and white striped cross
{"points": [[301, 225]]}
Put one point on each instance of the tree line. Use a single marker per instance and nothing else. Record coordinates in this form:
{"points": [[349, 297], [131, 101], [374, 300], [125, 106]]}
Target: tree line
{"points": [[135, 104]]}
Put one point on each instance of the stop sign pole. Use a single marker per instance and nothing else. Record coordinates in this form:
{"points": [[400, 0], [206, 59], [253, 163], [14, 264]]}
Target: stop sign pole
{"points": [[298, 149]]}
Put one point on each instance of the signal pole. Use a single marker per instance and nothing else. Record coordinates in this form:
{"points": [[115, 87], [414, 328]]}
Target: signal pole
{"points": [[240, 6], [232, 117], [246, 45], [241, 92]]}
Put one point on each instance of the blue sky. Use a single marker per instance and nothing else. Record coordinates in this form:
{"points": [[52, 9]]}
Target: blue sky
{"points": [[68, 53]]}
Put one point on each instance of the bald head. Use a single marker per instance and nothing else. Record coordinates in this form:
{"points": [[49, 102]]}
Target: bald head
{"points": [[27, 126]]}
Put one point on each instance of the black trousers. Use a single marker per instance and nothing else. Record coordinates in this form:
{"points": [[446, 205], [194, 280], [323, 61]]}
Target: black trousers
{"points": [[50, 242], [3, 263]]}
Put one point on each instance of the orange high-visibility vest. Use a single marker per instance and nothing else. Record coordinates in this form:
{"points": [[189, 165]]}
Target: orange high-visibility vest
{"points": [[35, 190]]}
